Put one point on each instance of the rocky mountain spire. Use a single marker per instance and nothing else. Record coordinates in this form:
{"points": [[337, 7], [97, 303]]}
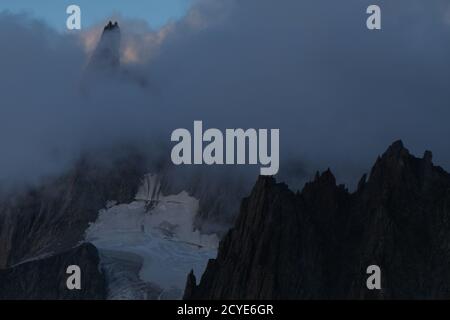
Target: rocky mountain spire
{"points": [[319, 242], [106, 56]]}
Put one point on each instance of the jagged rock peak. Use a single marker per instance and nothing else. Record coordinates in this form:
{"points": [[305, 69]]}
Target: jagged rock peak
{"points": [[106, 56], [362, 182], [396, 150], [393, 161], [267, 184], [318, 243], [428, 156], [111, 26], [191, 284], [326, 177]]}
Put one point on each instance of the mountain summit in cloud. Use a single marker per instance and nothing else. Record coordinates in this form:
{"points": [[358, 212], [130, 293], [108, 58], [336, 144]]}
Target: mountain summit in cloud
{"points": [[106, 56]]}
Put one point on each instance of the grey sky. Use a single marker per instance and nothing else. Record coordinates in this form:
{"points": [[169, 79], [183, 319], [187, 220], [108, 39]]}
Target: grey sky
{"points": [[339, 93]]}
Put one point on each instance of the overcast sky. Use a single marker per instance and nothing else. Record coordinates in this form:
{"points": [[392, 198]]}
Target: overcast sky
{"points": [[339, 93]]}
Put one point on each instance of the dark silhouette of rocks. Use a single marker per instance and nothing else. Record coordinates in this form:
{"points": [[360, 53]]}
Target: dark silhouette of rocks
{"points": [[313, 244], [318, 243], [111, 26], [54, 216], [46, 278]]}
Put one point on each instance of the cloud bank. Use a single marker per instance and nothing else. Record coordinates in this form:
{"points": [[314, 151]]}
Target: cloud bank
{"points": [[338, 92]]}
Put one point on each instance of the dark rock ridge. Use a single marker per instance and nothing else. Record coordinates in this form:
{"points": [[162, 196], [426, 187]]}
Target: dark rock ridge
{"points": [[53, 216], [46, 278], [318, 243]]}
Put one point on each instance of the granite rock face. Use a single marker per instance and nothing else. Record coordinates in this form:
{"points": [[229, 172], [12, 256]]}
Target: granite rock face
{"points": [[46, 278], [54, 216], [318, 243]]}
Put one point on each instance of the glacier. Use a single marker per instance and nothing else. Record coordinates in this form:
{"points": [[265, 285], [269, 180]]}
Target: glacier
{"points": [[147, 247]]}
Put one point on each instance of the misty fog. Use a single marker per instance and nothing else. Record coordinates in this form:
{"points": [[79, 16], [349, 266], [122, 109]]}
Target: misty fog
{"points": [[339, 93]]}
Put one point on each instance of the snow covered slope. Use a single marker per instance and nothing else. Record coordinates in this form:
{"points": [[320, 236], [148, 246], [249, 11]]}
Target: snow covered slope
{"points": [[154, 236]]}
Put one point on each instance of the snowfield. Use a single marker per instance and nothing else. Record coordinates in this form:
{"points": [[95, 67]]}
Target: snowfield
{"points": [[153, 237]]}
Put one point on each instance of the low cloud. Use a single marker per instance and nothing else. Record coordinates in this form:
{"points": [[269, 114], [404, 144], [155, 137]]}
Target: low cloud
{"points": [[338, 92]]}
